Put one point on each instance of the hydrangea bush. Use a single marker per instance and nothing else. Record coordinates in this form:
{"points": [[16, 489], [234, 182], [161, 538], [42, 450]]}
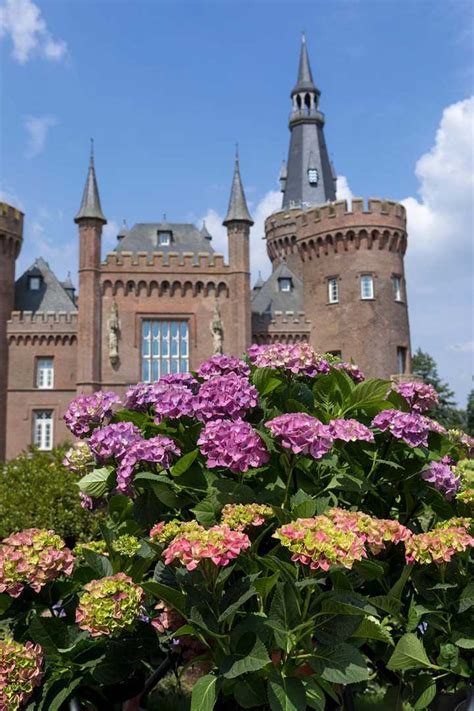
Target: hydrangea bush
{"points": [[298, 534]]}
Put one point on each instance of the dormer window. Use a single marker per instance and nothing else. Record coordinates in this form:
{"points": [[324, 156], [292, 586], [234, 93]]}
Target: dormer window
{"points": [[313, 176], [34, 283], [164, 238], [285, 283]]}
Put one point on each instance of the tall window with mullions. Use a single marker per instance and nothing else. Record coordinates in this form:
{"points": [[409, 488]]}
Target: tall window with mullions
{"points": [[165, 348]]}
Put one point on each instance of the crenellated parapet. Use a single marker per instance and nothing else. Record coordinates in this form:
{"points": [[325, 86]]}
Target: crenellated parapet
{"points": [[166, 261], [172, 286], [44, 327], [336, 227], [11, 230], [280, 327]]}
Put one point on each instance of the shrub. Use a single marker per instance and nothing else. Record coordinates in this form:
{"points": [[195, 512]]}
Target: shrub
{"points": [[304, 540], [36, 490]]}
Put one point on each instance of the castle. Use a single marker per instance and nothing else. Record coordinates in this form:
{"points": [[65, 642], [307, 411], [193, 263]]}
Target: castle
{"points": [[163, 300]]}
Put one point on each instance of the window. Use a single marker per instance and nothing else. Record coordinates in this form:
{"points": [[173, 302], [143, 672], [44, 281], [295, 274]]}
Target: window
{"points": [[366, 286], [43, 429], [284, 284], [397, 288], [164, 238], [44, 373], [333, 290], [313, 176], [34, 283], [165, 348], [401, 359]]}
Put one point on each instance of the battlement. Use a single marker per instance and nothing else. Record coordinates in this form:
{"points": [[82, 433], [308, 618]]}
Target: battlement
{"points": [[281, 321], [11, 230], [167, 261], [41, 318]]}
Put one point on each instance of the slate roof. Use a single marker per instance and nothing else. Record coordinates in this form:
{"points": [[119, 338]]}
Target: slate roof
{"points": [[268, 298], [52, 296], [185, 238], [305, 77], [90, 204], [237, 210]]}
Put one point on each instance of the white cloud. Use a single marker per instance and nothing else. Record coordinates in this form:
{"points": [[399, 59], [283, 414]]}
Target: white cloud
{"points": [[37, 128], [22, 21], [109, 236], [466, 347], [343, 191]]}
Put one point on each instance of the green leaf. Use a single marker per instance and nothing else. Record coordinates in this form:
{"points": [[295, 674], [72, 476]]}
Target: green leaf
{"points": [[97, 483], [466, 599], [302, 505], [250, 693], [387, 604], [166, 495], [369, 569], [205, 512], [340, 664], [183, 464], [100, 564], [173, 597], [235, 597], [397, 589], [367, 393], [251, 656], [264, 586], [315, 698], [409, 654], [424, 691], [55, 703], [204, 694], [51, 633], [284, 615], [461, 640], [370, 628], [265, 380], [5, 602], [286, 694]]}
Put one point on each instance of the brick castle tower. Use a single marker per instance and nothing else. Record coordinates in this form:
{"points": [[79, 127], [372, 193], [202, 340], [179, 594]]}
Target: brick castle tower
{"points": [[348, 260]]}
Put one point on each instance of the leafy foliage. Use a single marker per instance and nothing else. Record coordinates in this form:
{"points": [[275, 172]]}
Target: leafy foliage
{"points": [[447, 413]]}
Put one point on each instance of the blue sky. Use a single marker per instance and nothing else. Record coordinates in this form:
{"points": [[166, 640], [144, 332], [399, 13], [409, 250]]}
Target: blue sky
{"points": [[167, 88]]}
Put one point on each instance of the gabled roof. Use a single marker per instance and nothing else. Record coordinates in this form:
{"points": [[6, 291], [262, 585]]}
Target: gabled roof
{"points": [[185, 238], [269, 298], [51, 296]]}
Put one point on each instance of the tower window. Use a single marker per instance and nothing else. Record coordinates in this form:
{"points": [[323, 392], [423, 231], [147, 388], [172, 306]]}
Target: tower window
{"points": [[401, 359], [366, 286], [285, 284], [164, 238], [313, 176], [397, 288], [44, 373], [165, 348], [43, 429], [34, 283], [333, 290]]}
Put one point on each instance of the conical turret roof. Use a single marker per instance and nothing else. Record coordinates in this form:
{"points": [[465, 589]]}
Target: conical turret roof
{"points": [[237, 210], [305, 78], [90, 205]]}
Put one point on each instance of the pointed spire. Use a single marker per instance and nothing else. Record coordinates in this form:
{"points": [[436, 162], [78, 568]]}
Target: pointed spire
{"points": [[205, 232], [123, 231], [90, 205], [237, 210], [259, 283], [305, 77]]}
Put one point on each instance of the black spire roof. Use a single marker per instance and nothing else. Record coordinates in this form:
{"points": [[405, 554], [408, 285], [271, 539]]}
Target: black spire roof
{"points": [[305, 77], [90, 205], [237, 210]]}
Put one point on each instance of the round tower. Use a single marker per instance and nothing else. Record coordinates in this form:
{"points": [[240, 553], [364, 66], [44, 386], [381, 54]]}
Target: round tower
{"points": [[351, 264], [11, 236]]}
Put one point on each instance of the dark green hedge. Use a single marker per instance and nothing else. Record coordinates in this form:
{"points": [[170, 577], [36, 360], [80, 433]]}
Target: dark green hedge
{"points": [[36, 490]]}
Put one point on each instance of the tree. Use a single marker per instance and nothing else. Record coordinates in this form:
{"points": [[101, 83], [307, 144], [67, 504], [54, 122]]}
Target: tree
{"points": [[470, 413], [447, 413]]}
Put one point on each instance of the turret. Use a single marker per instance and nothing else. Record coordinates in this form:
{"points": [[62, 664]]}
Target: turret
{"points": [[11, 236], [90, 220]]}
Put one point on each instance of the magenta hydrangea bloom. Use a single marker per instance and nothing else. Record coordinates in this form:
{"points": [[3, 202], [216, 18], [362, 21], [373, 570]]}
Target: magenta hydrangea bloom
{"points": [[87, 411], [180, 379], [442, 477], [113, 440], [139, 397], [297, 358], [351, 369], [173, 401], [157, 450], [220, 544], [350, 431], [233, 444], [412, 428], [420, 396], [228, 396], [301, 433], [222, 364], [435, 426]]}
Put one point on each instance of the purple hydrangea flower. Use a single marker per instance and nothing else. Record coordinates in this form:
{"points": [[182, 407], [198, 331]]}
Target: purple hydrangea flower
{"points": [[420, 396], [86, 411], [436, 426], [87, 502], [233, 444], [139, 397], [157, 450], [297, 358], [173, 401], [301, 433], [113, 440], [351, 369], [442, 477], [180, 379], [228, 396], [350, 431], [409, 427], [222, 364]]}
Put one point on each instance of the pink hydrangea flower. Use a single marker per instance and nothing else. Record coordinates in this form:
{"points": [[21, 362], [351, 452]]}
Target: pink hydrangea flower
{"points": [[443, 477], [143, 395], [32, 557], [159, 450], [87, 411], [350, 431], [232, 444], [230, 396], [351, 369], [420, 396], [173, 401], [434, 426], [109, 605], [20, 672], [220, 544], [377, 531], [298, 358], [412, 428], [301, 433], [222, 364], [439, 545], [112, 441]]}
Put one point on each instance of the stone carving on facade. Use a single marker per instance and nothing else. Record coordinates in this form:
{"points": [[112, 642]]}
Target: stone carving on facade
{"points": [[217, 330], [113, 326]]}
